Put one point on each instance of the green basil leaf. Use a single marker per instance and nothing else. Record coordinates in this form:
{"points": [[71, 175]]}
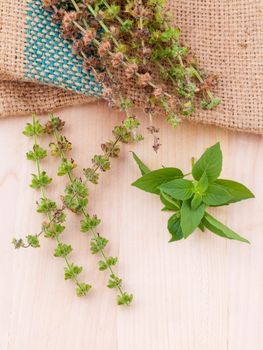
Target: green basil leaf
{"points": [[150, 182], [216, 195], [201, 226], [143, 168], [220, 229], [202, 184], [210, 162], [190, 218], [174, 228], [196, 201], [166, 209], [238, 191], [180, 189], [170, 203]]}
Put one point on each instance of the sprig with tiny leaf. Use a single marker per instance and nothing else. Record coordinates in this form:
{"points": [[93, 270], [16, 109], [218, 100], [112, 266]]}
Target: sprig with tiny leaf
{"points": [[124, 133], [76, 193], [189, 200], [53, 227]]}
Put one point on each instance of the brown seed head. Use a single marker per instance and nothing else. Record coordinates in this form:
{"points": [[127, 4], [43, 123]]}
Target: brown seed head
{"points": [[69, 18], [144, 79], [89, 35], [58, 15], [103, 48], [78, 46], [130, 70], [158, 91], [117, 58], [49, 3]]}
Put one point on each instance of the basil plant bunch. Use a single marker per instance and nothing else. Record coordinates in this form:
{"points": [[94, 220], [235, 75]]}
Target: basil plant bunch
{"points": [[189, 199]]}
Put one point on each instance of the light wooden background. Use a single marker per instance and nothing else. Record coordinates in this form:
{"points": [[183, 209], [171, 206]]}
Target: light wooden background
{"points": [[205, 293]]}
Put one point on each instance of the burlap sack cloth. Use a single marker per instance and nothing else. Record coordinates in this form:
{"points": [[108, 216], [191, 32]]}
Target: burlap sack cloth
{"points": [[226, 36]]}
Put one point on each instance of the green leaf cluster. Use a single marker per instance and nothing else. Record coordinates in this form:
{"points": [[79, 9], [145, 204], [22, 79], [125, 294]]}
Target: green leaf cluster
{"points": [[190, 199], [126, 25], [91, 175], [168, 34], [126, 103], [122, 133], [97, 244], [111, 12], [34, 129], [72, 271], [63, 145], [126, 132], [62, 250], [89, 223], [210, 104], [76, 196], [76, 205], [114, 281], [131, 123], [53, 230], [66, 167], [38, 153], [82, 289], [102, 162], [33, 241], [46, 205], [111, 149], [110, 261], [124, 299], [18, 243], [41, 180]]}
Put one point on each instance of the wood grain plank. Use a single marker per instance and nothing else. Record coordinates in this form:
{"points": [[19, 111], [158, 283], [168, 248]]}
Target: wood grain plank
{"points": [[201, 294]]}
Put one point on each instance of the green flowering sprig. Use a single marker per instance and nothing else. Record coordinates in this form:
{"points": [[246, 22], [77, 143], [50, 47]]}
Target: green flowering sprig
{"points": [[76, 199], [77, 26], [129, 58], [124, 133], [137, 36], [53, 227]]}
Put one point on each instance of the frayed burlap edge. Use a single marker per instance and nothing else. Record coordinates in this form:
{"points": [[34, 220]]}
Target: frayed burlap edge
{"points": [[21, 98]]}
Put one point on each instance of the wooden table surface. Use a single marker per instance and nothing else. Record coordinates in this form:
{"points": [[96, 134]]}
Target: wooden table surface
{"points": [[205, 293]]}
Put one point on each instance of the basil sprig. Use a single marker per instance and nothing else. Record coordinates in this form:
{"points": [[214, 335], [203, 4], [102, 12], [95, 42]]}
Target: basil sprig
{"points": [[190, 199]]}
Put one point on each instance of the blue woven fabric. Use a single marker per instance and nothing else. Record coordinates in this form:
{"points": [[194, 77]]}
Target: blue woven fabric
{"points": [[49, 58]]}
